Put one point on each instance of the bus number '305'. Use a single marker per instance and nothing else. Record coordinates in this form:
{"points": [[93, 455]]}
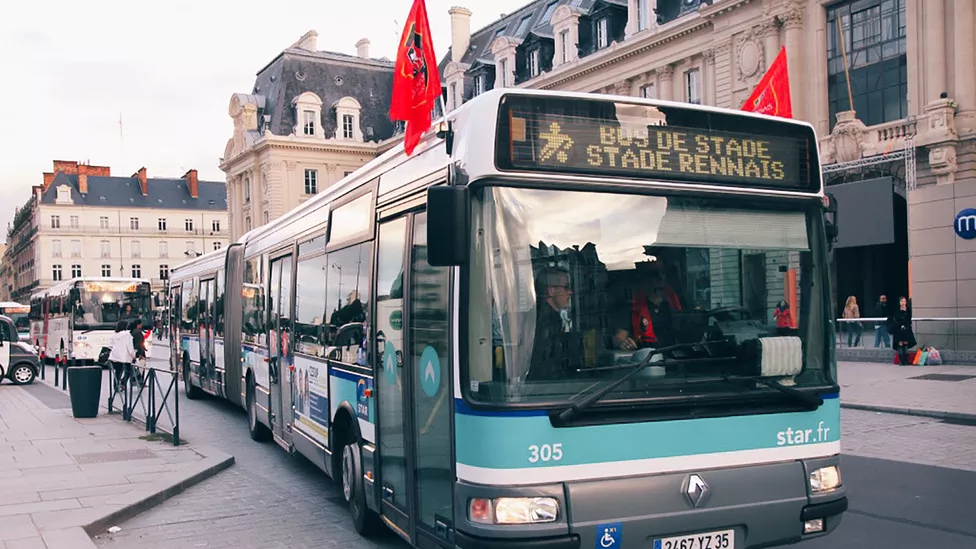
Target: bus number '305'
{"points": [[546, 452]]}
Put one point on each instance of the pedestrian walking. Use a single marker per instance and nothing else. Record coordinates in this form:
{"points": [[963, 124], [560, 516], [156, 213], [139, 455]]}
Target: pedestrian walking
{"points": [[881, 328], [851, 311], [123, 352], [784, 319], [900, 327]]}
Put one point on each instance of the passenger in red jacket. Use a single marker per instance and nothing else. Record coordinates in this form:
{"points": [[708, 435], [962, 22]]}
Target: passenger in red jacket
{"points": [[652, 315]]}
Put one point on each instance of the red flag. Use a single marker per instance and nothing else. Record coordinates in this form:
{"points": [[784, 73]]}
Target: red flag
{"points": [[772, 95], [416, 83]]}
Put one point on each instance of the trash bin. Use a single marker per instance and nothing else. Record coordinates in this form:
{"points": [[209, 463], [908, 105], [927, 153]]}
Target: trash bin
{"points": [[85, 388]]}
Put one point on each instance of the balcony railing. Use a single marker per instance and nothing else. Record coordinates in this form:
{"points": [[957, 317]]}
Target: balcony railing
{"points": [[92, 230]]}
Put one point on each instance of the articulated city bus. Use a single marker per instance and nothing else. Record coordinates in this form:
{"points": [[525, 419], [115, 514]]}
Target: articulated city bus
{"points": [[568, 320], [19, 315], [74, 319]]}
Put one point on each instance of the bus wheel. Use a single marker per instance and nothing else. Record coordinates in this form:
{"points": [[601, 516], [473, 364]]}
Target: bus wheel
{"points": [[259, 431], [192, 392], [366, 521]]}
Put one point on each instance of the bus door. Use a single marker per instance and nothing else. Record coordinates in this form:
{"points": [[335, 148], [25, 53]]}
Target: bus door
{"points": [[279, 350], [205, 326], [414, 387]]}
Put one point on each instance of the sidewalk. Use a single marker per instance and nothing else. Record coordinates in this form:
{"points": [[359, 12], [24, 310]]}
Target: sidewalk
{"points": [[62, 478], [950, 393]]}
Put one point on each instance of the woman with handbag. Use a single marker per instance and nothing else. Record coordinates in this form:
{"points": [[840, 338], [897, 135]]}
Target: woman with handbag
{"points": [[900, 328]]}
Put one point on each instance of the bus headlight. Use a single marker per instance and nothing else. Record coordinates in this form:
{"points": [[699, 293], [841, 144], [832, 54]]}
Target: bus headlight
{"points": [[825, 479], [513, 510]]}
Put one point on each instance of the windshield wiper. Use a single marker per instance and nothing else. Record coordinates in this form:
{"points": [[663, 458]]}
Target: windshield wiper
{"points": [[575, 409], [812, 401]]}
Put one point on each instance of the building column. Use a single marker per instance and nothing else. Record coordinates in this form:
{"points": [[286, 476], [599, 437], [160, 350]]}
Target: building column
{"points": [[964, 50], [665, 82], [770, 34], [793, 21], [935, 49], [708, 95]]}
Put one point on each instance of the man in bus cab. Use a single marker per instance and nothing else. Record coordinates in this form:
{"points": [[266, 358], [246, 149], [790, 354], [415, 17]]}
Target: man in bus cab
{"points": [[553, 352]]}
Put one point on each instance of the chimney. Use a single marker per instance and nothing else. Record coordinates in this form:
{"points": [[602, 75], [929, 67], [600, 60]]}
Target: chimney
{"points": [[362, 48], [83, 178], [460, 32], [192, 183], [141, 174], [308, 41], [48, 178]]}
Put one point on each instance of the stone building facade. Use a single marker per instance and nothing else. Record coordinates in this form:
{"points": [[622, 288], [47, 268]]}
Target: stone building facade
{"points": [[908, 143], [83, 221], [312, 118]]}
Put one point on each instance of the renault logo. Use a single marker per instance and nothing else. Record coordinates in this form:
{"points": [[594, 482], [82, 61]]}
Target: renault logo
{"points": [[695, 490]]}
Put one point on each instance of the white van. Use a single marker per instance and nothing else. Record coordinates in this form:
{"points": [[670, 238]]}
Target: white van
{"points": [[18, 360]]}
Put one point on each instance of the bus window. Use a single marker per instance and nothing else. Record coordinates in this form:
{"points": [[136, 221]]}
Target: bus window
{"points": [[219, 304], [347, 293], [310, 327], [188, 302], [252, 296]]}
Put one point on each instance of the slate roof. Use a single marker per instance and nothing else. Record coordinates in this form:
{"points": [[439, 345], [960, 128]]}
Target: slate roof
{"points": [[125, 192], [538, 14], [331, 76]]}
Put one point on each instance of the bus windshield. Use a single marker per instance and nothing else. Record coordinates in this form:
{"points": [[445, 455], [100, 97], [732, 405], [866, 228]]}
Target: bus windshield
{"points": [[581, 286], [101, 305]]}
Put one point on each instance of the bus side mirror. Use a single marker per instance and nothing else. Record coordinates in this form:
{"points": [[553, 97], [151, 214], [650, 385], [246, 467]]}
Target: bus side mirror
{"points": [[447, 226]]}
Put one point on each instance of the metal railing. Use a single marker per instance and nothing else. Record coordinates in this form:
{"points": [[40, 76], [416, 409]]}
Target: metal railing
{"points": [[954, 337], [145, 396], [150, 230]]}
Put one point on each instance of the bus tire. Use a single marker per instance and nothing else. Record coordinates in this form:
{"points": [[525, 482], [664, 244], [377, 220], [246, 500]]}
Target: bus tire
{"points": [[259, 431], [192, 391], [366, 522]]}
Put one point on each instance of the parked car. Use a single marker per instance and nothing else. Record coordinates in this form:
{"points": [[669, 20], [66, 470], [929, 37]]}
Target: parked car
{"points": [[18, 360]]}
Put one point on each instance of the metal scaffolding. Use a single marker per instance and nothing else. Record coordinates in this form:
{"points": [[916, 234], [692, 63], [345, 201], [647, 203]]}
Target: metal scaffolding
{"points": [[906, 154]]}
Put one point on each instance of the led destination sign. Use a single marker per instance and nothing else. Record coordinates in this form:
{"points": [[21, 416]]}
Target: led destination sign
{"points": [[648, 148]]}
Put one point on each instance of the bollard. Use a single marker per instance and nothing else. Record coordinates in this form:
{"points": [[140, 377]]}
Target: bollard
{"points": [[176, 404], [64, 375], [57, 377]]}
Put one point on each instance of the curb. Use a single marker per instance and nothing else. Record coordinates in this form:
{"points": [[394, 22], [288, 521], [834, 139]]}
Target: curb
{"points": [[918, 412], [159, 491]]}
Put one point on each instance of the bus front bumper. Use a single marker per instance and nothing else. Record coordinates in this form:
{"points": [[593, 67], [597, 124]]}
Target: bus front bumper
{"points": [[465, 541]]}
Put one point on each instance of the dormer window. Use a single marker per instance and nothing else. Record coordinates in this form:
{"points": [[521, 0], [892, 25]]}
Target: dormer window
{"points": [[503, 66], [534, 63], [564, 46], [308, 111], [454, 96], [347, 119], [602, 33], [479, 84], [64, 195], [308, 123]]}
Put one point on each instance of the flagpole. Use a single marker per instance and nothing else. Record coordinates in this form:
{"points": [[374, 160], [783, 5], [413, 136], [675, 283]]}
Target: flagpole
{"points": [[843, 50]]}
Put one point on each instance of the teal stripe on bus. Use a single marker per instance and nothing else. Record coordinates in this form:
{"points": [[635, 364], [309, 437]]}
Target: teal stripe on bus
{"points": [[504, 442]]}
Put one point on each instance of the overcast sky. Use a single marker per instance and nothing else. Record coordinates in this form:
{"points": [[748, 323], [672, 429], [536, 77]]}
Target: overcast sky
{"points": [[71, 68]]}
